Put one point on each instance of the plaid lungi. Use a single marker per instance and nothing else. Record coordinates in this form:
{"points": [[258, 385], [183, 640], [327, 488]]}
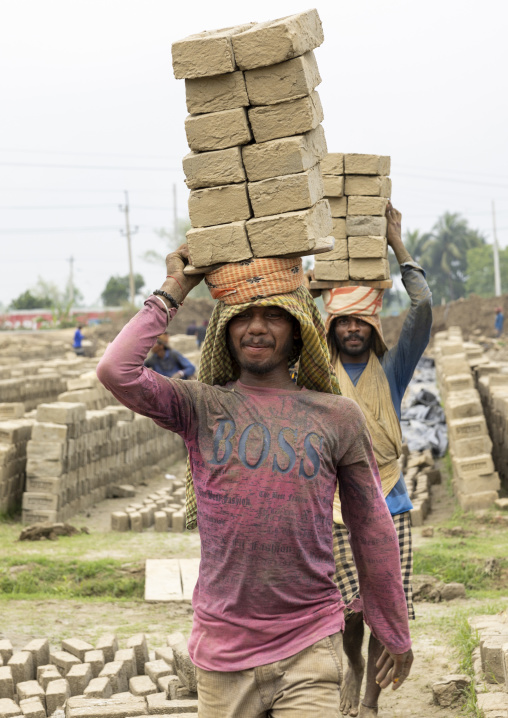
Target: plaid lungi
{"points": [[346, 576]]}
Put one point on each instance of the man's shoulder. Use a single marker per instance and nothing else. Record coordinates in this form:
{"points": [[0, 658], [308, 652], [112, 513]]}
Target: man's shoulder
{"points": [[334, 402]]}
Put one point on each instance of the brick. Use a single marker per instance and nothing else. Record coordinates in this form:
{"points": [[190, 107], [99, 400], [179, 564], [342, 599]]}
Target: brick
{"points": [[157, 669], [284, 156], [8, 709], [173, 639], [6, 682], [57, 693], [477, 501], [37, 502], [142, 686], [61, 413], [369, 269], [214, 94], [217, 130], [138, 643], [184, 667], [29, 689], [5, 649], [287, 193], [108, 644], [333, 185], [367, 247], [11, 410], [39, 648], [22, 667], [41, 467], [15, 431], [45, 484], [291, 232], [48, 450], [178, 522], [357, 185], [460, 406], [115, 671], [165, 654], [46, 674], [471, 427], [136, 521], [146, 514], [331, 270], [338, 206], [119, 521], [96, 661], [459, 382], [211, 169], [365, 226], [206, 53], [161, 522], [122, 706], [339, 228], [33, 708], [169, 685], [221, 243], [219, 205], [285, 81], [269, 43], [339, 251], [473, 465], [355, 164], [473, 484], [76, 647], [63, 660], [270, 122], [158, 705], [366, 205], [127, 657], [79, 677], [98, 688]]}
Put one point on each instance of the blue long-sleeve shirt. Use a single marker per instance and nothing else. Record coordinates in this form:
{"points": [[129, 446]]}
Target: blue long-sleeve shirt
{"points": [[170, 364], [400, 361]]}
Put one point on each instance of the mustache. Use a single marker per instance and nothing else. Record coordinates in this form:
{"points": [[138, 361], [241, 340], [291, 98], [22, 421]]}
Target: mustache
{"points": [[257, 344], [354, 336]]}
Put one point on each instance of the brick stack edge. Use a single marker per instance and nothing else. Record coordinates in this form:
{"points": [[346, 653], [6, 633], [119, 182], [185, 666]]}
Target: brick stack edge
{"points": [[256, 140], [98, 681], [358, 189]]}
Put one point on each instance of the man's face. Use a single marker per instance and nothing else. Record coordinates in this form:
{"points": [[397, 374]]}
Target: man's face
{"points": [[159, 349], [261, 338], [353, 336]]}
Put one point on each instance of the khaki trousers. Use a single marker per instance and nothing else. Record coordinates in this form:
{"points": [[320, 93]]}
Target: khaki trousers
{"points": [[304, 685]]}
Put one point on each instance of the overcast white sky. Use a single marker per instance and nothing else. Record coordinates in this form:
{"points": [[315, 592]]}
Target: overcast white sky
{"points": [[90, 108]]}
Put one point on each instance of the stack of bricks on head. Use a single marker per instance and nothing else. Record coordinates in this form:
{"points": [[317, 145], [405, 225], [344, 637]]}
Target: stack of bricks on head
{"points": [[256, 141], [357, 188]]}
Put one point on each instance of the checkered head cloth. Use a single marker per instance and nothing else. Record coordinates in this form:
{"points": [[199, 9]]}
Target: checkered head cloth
{"points": [[362, 302], [217, 366]]}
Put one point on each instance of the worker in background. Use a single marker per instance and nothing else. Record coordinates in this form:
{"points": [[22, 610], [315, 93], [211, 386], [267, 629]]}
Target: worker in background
{"points": [[498, 324], [78, 339], [168, 362]]}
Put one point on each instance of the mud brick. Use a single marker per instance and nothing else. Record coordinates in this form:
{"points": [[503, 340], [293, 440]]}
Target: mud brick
{"points": [[206, 53], [76, 647], [46, 674], [37, 502], [460, 406], [115, 671], [338, 206], [284, 156], [165, 654], [33, 707], [219, 205], [127, 656], [470, 428], [333, 185], [136, 521], [119, 521], [367, 247], [96, 661], [333, 164], [290, 232], [472, 484], [184, 667], [29, 689], [339, 251], [477, 501], [173, 639], [161, 522], [178, 522], [287, 193], [157, 669], [211, 169], [331, 270], [221, 243], [369, 269], [48, 450], [44, 484], [158, 705], [79, 677], [146, 516], [214, 94], [365, 226], [218, 130], [142, 686], [459, 382], [114, 707], [138, 643], [493, 659], [8, 709], [356, 185], [339, 228], [355, 164], [6, 682], [469, 447], [270, 122], [169, 685], [63, 660], [98, 688], [22, 667], [184, 693], [288, 80], [11, 410], [61, 413], [269, 43], [366, 205], [15, 431], [57, 693], [473, 465], [5, 650]]}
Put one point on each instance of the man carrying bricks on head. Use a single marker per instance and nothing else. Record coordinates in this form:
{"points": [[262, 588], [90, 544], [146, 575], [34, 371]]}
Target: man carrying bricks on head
{"points": [[266, 455], [376, 379]]}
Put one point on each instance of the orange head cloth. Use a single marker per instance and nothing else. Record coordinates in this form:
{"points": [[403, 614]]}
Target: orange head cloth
{"points": [[241, 282], [362, 302]]}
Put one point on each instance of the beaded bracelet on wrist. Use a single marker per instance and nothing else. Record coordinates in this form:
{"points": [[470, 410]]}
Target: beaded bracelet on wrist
{"points": [[167, 296]]}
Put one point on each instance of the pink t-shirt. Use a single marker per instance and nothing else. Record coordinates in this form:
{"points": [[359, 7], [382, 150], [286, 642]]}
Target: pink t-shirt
{"points": [[265, 464]]}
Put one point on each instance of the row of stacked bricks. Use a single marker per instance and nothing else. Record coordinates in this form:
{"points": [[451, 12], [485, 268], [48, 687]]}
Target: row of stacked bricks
{"points": [[475, 481], [420, 474], [15, 433], [490, 663], [164, 510], [95, 681], [75, 456], [358, 189], [492, 383], [256, 141]]}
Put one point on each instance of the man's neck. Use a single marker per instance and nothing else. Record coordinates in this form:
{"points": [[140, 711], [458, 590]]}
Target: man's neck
{"points": [[357, 359], [278, 378]]}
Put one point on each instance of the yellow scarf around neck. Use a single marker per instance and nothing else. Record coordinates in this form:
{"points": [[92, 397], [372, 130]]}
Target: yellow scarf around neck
{"points": [[372, 394]]}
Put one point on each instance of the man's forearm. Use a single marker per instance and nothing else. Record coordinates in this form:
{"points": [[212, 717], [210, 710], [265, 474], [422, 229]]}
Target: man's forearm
{"points": [[401, 253]]}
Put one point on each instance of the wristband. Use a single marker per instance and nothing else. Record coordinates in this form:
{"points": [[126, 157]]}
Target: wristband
{"points": [[170, 276], [165, 307], [171, 300]]}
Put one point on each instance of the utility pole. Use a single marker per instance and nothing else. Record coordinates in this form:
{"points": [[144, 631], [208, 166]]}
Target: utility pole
{"points": [[497, 273], [175, 218], [127, 233], [71, 280]]}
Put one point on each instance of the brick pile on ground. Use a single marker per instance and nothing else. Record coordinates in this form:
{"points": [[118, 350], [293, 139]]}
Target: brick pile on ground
{"points": [[420, 474], [86, 389], [475, 481], [15, 432], [358, 188], [256, 141], [164, 510], [97, 681], [492, 383], [75, 456]]}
